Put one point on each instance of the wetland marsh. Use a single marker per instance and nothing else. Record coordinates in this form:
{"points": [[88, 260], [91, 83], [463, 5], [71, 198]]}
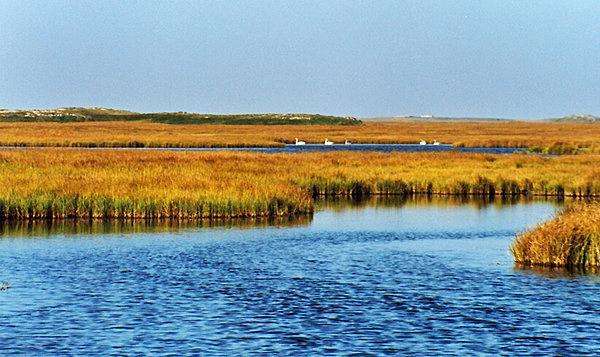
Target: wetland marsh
{"points": [[544, 137], [303, 178], [126, 184]]}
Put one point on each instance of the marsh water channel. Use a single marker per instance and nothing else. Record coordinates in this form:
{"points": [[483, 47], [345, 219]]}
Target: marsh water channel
{"points": [[294, 149], [424, 275]]}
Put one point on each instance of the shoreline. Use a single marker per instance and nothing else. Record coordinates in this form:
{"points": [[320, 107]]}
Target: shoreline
{"points": [[178, 214], [300, 149], [555, 138]]}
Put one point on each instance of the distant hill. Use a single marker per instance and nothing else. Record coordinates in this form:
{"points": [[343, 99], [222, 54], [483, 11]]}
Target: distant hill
{"points": [[427, 118], [577, 118], [107, 114]]}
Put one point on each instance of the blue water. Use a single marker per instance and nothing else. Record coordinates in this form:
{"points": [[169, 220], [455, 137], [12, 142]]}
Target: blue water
{"points": [[357, 147], [425, 277], [393, 148], [292, 149]]}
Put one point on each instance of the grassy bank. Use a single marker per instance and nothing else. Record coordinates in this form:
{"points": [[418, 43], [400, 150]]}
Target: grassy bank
{"points": [[561, 138], [60, 183], [570, 240]]}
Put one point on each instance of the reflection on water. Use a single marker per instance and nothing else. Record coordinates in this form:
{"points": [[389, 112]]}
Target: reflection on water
{"points": [[93, 227], [590, 273], [324, 207], [430, 214], [416, 276], [398, 201]]}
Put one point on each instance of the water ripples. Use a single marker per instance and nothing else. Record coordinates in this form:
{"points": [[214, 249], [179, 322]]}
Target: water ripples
{"points": [[289, 291]]}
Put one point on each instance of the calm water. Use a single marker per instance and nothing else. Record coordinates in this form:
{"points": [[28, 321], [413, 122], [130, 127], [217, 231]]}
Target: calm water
{"points": [[386, 277], [291, 149], [361, 147], [390, 148]]}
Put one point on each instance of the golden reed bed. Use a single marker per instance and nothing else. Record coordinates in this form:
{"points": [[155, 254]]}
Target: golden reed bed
{"points": [[76, 183], [548, 137], [570, 240]]}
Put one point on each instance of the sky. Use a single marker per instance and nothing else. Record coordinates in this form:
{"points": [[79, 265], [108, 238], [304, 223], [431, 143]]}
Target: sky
{"points": [[510, 59]]}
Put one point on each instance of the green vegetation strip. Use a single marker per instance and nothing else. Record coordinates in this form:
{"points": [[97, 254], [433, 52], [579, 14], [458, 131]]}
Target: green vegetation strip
{"points": [[69, 115]]}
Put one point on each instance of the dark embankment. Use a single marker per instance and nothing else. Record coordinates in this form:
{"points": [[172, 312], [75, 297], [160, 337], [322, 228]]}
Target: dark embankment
{"points": [[570, 240]]}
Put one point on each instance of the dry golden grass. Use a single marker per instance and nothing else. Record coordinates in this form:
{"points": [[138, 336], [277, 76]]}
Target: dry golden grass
{"points": [[58, 183], [571, 240], [550, 137]]}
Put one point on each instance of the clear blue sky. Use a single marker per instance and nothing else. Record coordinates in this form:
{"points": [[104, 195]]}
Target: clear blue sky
{"points": [[371, 58]]}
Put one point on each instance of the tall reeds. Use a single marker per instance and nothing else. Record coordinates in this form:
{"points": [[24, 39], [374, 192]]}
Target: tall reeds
{"points": [[71, 183], [54, 206], [571, 240]]}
